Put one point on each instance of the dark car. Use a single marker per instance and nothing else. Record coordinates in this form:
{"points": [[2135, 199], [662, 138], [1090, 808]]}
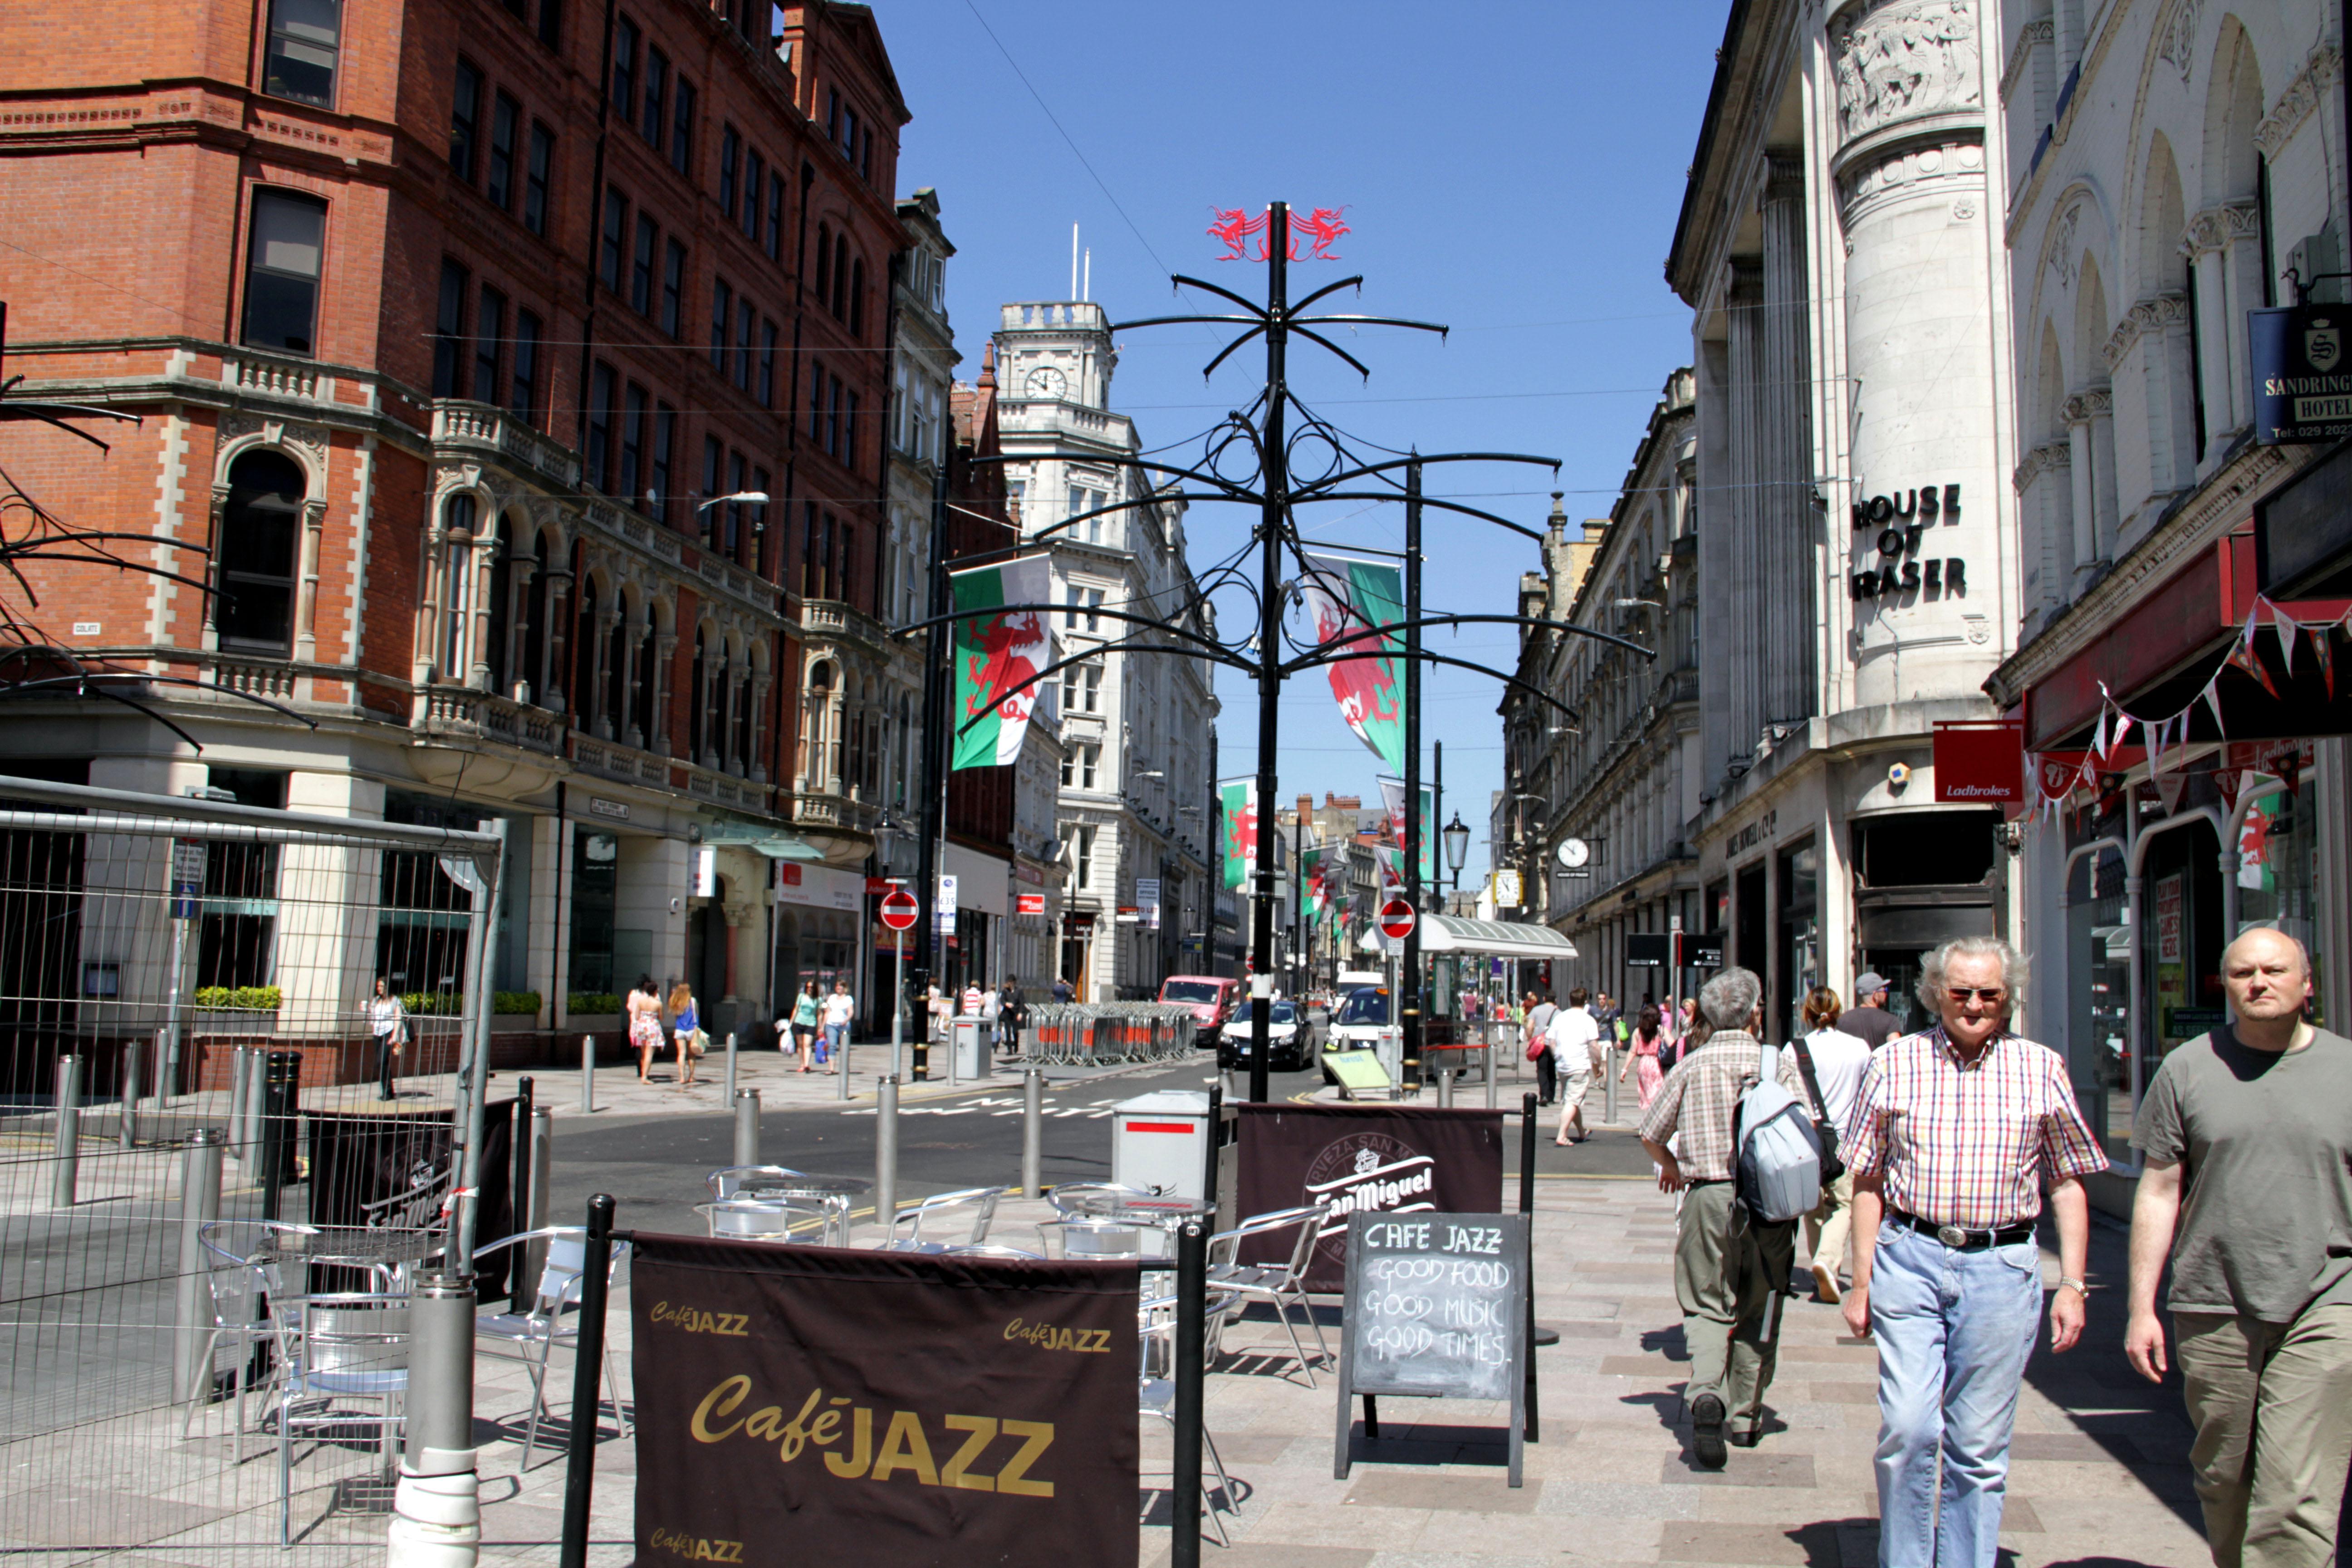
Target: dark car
{"points": [[1291, 1038]]}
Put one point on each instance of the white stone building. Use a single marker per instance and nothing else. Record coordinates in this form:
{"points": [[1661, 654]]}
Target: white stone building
{"points": [[1839, 242], [1136, 726], [2170, 164]]}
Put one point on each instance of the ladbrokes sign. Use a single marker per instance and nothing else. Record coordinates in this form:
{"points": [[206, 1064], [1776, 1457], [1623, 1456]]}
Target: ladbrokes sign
{"points": [[1365, 1159], [881, 1408]]}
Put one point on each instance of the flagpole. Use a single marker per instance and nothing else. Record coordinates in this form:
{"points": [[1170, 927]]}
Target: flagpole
{"points": [[936, 742], [1272, 525], [1410, 991]]}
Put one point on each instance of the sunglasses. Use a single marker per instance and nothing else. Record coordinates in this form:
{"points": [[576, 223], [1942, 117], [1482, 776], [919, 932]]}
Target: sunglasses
{"points": [[1991, 995]]}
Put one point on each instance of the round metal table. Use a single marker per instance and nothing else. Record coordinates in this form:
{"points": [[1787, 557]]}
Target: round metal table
{"points": [[835, 1193]]}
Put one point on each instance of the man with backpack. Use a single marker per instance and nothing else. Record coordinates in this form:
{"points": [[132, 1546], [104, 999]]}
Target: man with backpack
{"points": [[1729, 1264], [1952, 1138]]}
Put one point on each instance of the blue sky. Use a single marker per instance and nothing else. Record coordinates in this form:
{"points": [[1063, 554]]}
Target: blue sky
{"points": [[1511, 170]]}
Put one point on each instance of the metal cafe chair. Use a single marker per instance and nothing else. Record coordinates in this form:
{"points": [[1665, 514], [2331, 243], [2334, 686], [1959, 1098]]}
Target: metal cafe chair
{"points": [[1067, 1198], [1282, 1284], [246, 1278], [744, 1181], [341, 1350], [775, 1220], [1156, 1394], [942, 1209], [531, 1335]]}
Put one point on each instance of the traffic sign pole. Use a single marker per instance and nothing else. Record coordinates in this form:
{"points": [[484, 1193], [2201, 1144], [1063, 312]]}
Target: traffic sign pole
{"points": [[898, 911]]}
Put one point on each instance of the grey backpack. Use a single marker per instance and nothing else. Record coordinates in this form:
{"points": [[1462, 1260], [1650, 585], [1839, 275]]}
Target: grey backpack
{"points": [[1777, 1154]]}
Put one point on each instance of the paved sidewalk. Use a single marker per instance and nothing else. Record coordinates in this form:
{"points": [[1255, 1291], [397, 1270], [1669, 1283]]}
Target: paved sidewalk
{"points": [[2099, 1479]]}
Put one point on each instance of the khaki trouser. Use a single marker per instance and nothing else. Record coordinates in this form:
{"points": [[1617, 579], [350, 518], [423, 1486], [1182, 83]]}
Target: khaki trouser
{"points": [[2273, 1405], [1829, 1227], [1726, 1284]]}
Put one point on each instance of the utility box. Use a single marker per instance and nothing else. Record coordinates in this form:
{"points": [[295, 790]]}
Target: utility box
{"points": [[1159, 1142], [971, 1052]]}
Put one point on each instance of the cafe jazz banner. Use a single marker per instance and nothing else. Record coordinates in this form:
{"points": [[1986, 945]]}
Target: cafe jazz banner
{"points": [[889, 1409], [1367, 1159]]}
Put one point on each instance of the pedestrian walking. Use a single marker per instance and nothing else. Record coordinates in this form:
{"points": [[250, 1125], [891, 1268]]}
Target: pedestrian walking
{"points": [[686, 1029], [1728, 1267], [992, 1016], [1649, 1039], [808, 1011], [1868, 1020], [1953, 1135], [1012, 1011], [1823, 1068], [1537, 1032], [840, 1012], [2246, 1186], [1576, 1042], [1064, 992], [971, 999], [645, 1024], [388, 1021]]}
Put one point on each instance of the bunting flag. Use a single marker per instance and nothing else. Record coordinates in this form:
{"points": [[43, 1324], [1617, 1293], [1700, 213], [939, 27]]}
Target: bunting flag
{"points": [[1348, 599], [2226, 784], [1237, 798], [2244, 658], [2322, 649], [997, 658], [2283, 627]]}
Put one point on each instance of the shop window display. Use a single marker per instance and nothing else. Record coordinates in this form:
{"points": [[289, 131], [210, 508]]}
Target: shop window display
{"points": [[2278, 866], [2098, 1016]]}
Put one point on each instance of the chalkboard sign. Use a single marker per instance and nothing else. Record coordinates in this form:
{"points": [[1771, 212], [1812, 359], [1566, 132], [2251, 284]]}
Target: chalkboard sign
{"points": [[1437, 1308]]}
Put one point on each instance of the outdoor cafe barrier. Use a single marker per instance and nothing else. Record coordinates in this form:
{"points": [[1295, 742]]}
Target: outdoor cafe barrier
{"points": [[884, 1407], [1104, 1034]]}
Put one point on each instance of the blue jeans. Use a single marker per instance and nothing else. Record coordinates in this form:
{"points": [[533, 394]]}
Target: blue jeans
{"points": [[1953, 1329], [836, 1038]]}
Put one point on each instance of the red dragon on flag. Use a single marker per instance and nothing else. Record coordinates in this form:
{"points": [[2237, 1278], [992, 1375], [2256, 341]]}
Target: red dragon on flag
{"points": [[1321, 229]]}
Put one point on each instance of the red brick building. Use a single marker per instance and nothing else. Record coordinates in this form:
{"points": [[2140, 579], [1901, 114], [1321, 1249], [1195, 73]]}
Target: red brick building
{"points": [[448, 324]]}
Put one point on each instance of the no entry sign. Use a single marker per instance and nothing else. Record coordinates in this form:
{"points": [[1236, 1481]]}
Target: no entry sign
{"points": [[1396, 918], [898, 909]]}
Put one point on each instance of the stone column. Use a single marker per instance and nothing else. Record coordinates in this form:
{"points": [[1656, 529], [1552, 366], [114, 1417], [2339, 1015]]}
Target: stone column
{"points": [[2207, 234], [1750, 402], [306, 605], [2085, 529], [1789, 522], [483, 560], [664, 659], [2241, 267]]}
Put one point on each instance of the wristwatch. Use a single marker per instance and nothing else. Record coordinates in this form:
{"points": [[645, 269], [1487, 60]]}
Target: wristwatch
{"points": [[2079, 1286]]}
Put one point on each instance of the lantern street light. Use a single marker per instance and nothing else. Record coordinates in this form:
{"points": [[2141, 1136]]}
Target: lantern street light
{"points": [[1456, 834]]}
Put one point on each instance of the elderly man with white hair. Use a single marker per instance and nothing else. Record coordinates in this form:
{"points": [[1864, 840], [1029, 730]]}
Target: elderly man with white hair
{"points": [[2247, 1188], [1952, 1138], [1726, 1265]]}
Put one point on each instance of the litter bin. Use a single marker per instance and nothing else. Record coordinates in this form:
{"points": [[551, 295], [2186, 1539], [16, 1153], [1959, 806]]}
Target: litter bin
{"points": [[1157, 1142], [971, 1052]]}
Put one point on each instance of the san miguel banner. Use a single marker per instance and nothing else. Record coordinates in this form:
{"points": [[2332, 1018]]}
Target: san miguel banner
{"points": [[1366, 1159], [1349, 600], [890, 1409], [997, 658]]}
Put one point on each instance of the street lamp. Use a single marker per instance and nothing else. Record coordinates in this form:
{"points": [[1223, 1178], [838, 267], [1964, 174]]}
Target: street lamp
{"points": [[759, 498], [1458, 847]]}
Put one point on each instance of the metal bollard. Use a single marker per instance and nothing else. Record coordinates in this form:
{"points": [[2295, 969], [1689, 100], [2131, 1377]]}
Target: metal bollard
{"points": [[840, 1063], [281, 1115], [731, 1085], [1033, 1132], [68, 1148], [587, 1074], [241, 1063], [436, 1507], [886, 1154], [1490, 1066], [1609, 1085], [1445, 1089], [747, 1127], [200, 1195], [255, 1074], [126, 1119]]}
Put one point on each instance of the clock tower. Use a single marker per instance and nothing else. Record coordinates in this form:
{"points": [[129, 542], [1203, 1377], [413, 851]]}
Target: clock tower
{"points": [[1057, 350]]}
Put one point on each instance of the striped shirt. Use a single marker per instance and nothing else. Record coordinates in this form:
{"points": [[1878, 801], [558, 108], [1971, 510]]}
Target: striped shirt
{"points": [[1966, 1143], [1696, 1100]]}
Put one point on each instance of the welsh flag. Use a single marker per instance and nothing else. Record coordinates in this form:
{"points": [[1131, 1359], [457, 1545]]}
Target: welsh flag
{"points": [[1238, 798], [1348, 599], [997, 657], [1393, 797]]}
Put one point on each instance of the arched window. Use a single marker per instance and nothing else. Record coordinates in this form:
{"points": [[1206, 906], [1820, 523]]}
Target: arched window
{"points": [[857, 299], [695, 703], [818, 706], [641, 716], [534, 633], [840, 274], [502, 612], [616, 671], [259, 533], [456, 589], [743, 719], [714, 722], [824, 262], [583, 659]]}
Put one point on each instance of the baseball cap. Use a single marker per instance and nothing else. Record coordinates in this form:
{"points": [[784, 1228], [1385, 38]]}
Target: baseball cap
{"points": [[1871, 983]]}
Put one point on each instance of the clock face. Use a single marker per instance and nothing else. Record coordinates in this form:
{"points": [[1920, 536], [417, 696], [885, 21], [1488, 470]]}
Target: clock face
{"points": [[1574, 852], [1047, 382]]}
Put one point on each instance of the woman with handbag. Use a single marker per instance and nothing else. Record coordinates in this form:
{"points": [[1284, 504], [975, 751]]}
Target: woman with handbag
{"points": [[806, 1011], [645, 1024], [1824, 1067], [389, 1021], [686, 1028]]}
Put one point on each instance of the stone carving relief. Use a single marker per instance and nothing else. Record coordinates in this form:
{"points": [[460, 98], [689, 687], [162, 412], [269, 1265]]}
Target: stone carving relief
{"points": [[2150, 315], [2034, 35], [2049, 454], [2300, 97], [2090, 404], [2176, 37], [2062, 244], [1915, 171], [1909, 58], [310, 439]]}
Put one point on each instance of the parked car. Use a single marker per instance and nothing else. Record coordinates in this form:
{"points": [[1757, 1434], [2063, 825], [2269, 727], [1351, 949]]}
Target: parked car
{"points": [[1210, 998], [1364, 1016], [1291, 1031]]}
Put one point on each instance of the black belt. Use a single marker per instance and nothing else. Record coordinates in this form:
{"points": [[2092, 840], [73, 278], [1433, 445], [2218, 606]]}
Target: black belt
{"points": [[1963, 1240]]}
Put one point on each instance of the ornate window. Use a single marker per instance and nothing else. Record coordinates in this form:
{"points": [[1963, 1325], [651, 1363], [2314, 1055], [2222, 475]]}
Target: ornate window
{"points": [[259, 532]]}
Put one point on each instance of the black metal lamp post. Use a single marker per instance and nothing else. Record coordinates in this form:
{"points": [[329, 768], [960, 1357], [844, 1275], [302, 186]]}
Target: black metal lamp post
{"points": [[1458, 847]]}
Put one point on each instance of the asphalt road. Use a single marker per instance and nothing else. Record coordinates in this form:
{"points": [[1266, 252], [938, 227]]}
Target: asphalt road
{"points": [[656, 1165]]}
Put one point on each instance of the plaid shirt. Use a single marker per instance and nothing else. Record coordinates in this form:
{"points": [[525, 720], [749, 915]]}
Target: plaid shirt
{"points": [[1967, 1144], [1697, 1099]]}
